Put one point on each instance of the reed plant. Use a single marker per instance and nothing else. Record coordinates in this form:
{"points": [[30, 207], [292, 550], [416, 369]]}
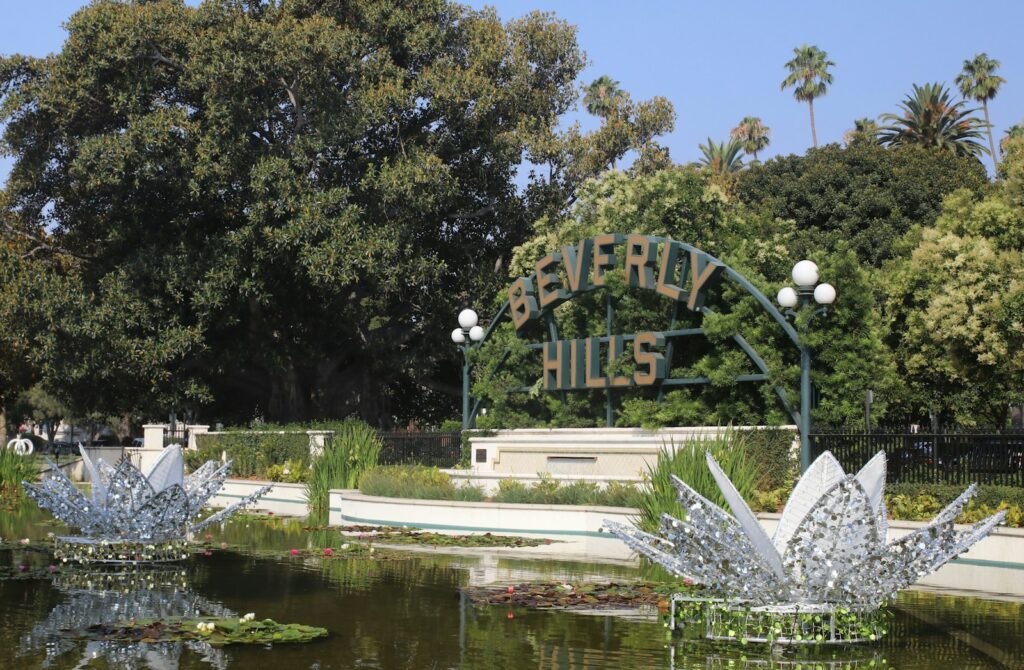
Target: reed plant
{"points": [[347, 456], [14, 469], [687, 461]]}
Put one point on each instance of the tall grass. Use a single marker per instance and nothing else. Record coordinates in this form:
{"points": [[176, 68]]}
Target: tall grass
{"points": [[13, 470], [352, 451], [687, 462], [551, 492]]}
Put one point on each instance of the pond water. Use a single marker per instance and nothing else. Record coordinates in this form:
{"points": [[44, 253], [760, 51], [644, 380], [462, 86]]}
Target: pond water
{"points": [[408, 613]]}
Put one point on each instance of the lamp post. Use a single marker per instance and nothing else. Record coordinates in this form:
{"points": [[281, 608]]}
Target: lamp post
{"points": [[468, 332], [808, 292]]}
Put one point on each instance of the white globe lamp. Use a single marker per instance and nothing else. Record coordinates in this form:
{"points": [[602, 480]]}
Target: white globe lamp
{"points": [[467, 319], [824, 294], [458, 337], [476, 333], [787, 297], [805, 273]]}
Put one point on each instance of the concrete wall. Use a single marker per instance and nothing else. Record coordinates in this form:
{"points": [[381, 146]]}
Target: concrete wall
{"points": [[623, 453], [994, 565], [283, 499], [581, 525]]}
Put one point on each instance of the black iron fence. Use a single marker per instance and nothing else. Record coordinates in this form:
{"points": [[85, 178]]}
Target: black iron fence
{"points": [[956, 456], [443, 450]]}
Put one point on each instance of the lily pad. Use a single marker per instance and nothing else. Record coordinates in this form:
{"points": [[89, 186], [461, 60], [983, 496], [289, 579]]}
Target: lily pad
{"points": [[216, 632]]}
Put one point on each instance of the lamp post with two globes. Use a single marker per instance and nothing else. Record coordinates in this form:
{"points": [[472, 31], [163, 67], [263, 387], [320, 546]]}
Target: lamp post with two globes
{"points": [[468, 332], [808, 292]]}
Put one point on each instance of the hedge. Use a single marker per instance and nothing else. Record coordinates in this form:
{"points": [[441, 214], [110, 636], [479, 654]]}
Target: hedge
{"points": [[255, 455]]}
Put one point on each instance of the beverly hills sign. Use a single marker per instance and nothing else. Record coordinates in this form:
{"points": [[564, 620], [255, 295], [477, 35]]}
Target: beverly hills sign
{"points": [[674, 270]]}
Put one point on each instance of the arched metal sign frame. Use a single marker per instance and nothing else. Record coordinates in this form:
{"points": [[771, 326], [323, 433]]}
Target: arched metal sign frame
{"points": [[800, 416]]}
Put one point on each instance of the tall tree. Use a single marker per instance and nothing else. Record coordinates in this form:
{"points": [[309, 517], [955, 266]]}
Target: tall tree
{"points": [[603, 96], [288, 231], [979, 81], [752, 135], [722, 157], [809, 75], [931, 118], [864, 130]]}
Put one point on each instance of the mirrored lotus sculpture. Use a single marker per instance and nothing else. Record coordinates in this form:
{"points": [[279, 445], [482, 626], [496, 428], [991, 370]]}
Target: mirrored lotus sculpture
{"points": [[131, 516], [830, 551]]}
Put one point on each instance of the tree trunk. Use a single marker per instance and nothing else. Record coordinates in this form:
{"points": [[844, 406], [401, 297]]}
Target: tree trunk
{"points": [[3, 427], [991, 142], [814, 133]]}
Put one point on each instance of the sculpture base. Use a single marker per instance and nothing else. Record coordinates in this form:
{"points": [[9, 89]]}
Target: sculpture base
{"points": [[100, 550], [805, 623]]}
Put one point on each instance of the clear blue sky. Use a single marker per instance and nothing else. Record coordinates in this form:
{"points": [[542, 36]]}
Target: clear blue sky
{"points": [[720, 61]]}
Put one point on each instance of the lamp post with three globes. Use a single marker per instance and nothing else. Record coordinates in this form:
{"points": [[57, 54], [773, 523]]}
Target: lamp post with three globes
{"points": [[807, 292], [468, 332]]}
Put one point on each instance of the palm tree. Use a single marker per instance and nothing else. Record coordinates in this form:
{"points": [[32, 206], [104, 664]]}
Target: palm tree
{"points": [[980, 82], [603, 96], [722, 158], [930, 118], [1016, 130], [808, 73], [752, 135], [864, 130]]}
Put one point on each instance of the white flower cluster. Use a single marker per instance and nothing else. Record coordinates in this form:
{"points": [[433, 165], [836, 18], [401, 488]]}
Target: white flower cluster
{"points": [[206, 627], [247, 618]]}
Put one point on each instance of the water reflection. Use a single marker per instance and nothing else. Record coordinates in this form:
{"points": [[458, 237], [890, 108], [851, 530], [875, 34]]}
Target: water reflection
{"points": [[407, 614], [93, 597]]}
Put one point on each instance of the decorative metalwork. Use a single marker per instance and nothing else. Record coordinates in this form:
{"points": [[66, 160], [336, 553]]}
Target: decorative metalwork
{"points": [[830, 549], [130, 516]]}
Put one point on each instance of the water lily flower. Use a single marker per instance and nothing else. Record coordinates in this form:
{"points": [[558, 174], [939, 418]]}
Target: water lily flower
{"points": [[51, 568], [294, 552], [24, 540], [50, 535], [223, 545], [328, 551], [250, 616], [344, 546]]}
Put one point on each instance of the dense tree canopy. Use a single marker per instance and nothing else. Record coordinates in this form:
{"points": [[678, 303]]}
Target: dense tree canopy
{"points": [[273, 207], [863, 195]]}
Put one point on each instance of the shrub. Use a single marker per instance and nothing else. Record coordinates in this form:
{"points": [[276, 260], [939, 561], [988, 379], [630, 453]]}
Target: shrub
{"points": [[13, 470], [253, 453], [549, 491], [687, 462], [415, 481], [921, 502], [354, 449]]}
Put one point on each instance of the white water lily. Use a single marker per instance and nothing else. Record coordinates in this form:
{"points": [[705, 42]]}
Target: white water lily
{"points": [[830, 546]]}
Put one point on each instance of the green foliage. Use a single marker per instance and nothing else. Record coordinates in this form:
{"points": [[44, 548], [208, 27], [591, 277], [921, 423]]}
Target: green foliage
{"points": [[254, 454], [14, 469], [864, 195], [928, 117], [415, 481], [916, 502], [849, 351], [752, 134], [552, 492], [223, 631], [954, 307], [244, 193], [353, 450], [688, 462], [773, 457], [722, 158]]}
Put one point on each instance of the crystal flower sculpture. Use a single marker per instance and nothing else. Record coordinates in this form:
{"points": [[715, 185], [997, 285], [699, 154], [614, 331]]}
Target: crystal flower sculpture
{"points": [[127, 506], [830, 547]]}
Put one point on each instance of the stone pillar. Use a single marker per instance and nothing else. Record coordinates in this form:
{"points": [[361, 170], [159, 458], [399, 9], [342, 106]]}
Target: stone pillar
{"points": [[153, 435], [193, 432], [317, 441]]}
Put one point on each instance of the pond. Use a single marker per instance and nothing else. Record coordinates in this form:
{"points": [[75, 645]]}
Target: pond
{"points": [[405, 611]]}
